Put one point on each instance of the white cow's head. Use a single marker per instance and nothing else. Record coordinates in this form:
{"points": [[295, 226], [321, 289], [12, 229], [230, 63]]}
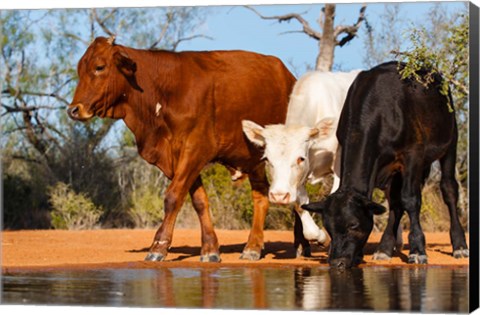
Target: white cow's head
{"points": [[286, 154]]}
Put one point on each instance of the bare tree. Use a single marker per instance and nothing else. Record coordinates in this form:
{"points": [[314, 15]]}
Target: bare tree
{"points": [[328, 37], [39, 52], [379, 40]]}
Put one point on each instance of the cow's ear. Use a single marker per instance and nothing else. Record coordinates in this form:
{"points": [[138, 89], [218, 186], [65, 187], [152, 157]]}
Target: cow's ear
{"points": [[126, 65], [318, 207], [325, 128], [375, 208], [253, 132]]}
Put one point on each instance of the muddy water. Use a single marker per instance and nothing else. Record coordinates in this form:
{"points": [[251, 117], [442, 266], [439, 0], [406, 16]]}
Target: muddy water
{"points": [[429, 289]]}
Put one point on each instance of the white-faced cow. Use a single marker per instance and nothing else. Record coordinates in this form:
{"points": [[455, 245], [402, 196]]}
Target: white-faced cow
{"points": [[391, 131], [185, 110], [305, 147]]}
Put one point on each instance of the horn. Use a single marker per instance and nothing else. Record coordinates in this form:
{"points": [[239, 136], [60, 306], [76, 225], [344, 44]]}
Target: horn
{"points": [[111, 40]]}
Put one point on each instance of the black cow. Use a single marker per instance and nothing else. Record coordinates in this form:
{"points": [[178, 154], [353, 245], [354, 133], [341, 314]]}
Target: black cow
{"points": [[390, 131]]}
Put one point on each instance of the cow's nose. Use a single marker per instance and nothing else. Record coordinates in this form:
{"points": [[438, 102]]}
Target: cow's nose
{"points": [[73, 112], [339, 263], [283, 198]]}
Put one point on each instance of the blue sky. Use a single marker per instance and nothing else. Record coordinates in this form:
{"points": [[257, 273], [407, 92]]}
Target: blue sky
{"points": [[240, 28], [235, 27]]}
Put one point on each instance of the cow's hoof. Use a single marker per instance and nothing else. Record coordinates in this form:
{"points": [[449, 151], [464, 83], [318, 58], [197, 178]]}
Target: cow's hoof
{"points": [[417, 259], [461, 253], [381, 256], [304, 252], [250, 255], [398, 250], [210, 258], [154, 257]]}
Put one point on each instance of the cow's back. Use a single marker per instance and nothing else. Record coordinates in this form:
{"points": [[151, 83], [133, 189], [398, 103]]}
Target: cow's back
{"points": [[318, 95], [385, 118], [247, 86]]}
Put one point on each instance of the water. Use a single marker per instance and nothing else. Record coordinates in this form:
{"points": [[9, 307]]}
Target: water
{"points": [[427, 289]]}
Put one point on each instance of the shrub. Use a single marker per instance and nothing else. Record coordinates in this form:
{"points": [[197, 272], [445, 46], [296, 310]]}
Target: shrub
{"points": [[25, 203], [72, 211], [230, 203], [142, 188], [147, 205]]}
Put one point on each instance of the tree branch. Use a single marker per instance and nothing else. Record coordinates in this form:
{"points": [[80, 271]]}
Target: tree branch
{"points": [[26, 159], [16, 109], [102, 22], [14, 93], [54, 95], [164, 29], [184, 39], [463, 89], [307, 29], [96, 135], [351, 31], [447, 76], [86, 43]]}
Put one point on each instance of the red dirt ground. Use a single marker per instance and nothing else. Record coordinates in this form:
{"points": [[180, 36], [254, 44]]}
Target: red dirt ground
{"points": [[122, 248]]}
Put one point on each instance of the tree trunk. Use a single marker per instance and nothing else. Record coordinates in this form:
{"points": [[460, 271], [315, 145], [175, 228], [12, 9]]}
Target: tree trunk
{"points": [[327, 43]]}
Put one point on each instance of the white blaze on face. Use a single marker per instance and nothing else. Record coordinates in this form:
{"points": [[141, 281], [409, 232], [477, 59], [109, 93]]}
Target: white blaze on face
{"points": [[286, 152]]}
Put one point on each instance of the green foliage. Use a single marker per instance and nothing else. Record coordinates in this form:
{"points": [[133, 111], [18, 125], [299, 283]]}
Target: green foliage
{"points": [[142, 190], [231, 204], [147, 207], [17, 203], [419, 58], [72, 211], [450, 59], [24, 200]]}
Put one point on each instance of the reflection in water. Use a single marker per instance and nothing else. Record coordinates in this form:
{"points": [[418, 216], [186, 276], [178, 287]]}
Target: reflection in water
{"points": [[430, 289]]}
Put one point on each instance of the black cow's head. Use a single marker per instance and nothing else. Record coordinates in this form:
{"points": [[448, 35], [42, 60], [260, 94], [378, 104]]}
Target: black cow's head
{"points": [[348, 218]]}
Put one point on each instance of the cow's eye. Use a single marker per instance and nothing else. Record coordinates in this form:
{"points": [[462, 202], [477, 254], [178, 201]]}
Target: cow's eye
{"points": [[354, 226], [99, 68], [300, 160]]}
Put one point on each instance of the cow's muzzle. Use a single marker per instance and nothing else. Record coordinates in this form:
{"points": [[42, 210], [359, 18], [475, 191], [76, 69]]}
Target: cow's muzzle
{"points": [[341, 263], [280, 198], [77, 112]]}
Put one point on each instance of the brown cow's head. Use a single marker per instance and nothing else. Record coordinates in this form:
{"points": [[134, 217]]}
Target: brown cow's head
{"points": [[105, 73]]}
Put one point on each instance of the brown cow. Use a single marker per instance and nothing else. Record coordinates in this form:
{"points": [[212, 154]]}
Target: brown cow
{"points": [[185, 110]]}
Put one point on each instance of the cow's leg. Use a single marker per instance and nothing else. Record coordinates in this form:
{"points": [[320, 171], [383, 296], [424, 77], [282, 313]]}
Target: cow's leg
{"points": [[301, 244], [259, 183], [449, 187], [390, 238], [174, 199], [311, 231], [305, 229], [210, 251], [411, 197], [186, 174]]}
